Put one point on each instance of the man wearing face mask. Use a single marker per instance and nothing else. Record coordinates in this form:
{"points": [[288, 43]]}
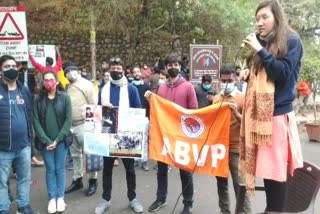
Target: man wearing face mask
{"points": [[15, 136], [82, 93], [118, 92], [204, 91], [181, 92], [230, 93]]}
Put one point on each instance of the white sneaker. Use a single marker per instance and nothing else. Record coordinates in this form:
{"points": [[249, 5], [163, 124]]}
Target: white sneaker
{"points": [[61, 205], [136, 206], [52, 206], [102, 207]]}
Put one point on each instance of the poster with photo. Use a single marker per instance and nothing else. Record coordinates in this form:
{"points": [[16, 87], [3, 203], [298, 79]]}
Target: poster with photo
{"points": [[122, 133], [93, 118], [109, 120]]}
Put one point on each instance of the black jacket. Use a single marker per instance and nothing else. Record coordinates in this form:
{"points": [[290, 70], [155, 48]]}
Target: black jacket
{"points": [[5, 118], [60, 103]]}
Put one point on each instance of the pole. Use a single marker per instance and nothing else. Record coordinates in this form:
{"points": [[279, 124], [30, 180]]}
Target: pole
{"points": [[93, 42]]}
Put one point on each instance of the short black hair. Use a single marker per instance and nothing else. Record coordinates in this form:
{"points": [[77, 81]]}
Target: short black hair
{"points": [[228, 69], [206, 78], [49, 60], [172, 58], [5, 58]]}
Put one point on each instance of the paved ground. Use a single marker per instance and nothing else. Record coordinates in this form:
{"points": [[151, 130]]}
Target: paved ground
{"points": [[205, 197]]}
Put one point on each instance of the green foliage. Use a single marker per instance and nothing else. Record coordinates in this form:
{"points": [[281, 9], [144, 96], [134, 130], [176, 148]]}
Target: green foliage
{"points": [[206, 21]]}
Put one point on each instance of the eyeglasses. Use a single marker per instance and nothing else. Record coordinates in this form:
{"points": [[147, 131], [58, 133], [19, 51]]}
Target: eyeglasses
{"points": [[115, 59]]}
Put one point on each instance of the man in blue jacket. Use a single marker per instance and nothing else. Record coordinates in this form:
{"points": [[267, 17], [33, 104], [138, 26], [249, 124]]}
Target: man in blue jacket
{"points": [[119, 93], [15, 136]]}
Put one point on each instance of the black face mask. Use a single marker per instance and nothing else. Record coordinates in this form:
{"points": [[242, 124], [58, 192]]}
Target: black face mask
{"points": [[116, 75], [10, 74], [173, 72]]}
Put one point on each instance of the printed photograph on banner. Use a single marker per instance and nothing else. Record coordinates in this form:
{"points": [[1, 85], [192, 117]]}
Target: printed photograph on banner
{"points": [[126, 144], [109, 120], [96, 143], [93, 118]]}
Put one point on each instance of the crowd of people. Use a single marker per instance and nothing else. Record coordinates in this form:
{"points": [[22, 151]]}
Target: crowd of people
{"points": [[263, 131]]}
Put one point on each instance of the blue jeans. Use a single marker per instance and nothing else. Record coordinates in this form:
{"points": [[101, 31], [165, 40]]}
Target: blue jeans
{"points": [[55, 161], [22, 162]]}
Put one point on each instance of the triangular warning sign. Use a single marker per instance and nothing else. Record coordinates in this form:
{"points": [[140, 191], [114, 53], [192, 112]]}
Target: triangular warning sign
{"points": [[9, 30]]}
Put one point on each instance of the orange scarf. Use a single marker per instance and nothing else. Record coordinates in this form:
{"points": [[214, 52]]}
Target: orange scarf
{"points": [[256, 123]]}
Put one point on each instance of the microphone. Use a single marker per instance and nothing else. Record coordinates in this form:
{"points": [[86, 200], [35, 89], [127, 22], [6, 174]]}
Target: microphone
{"points": [[244, 44]]}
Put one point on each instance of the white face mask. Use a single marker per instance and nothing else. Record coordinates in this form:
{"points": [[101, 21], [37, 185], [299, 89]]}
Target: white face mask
{"points": [[73, 75], [227, 88], [161, 81]]}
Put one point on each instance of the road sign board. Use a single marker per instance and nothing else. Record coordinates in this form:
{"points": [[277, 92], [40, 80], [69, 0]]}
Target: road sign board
{"points": [[13, 33]]}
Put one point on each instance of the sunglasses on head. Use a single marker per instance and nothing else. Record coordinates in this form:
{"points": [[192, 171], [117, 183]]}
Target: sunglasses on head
{"points": [[115, 59]]}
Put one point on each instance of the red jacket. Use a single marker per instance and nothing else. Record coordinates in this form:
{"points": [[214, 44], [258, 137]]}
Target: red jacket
{"points": [[181, 93], [42, 68], [303, 88]]}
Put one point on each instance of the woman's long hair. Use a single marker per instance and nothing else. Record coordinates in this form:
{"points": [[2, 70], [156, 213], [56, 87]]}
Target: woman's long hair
{"points": [[43, 92], [277, 44]]}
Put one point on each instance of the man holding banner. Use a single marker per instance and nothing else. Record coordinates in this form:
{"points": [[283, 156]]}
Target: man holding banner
{"points": [[119, 93], [229, 93], [181, 92]]}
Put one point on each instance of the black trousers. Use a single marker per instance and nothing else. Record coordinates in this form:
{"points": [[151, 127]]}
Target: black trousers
{"points": [[276, 193], [186, 182], [107, 177]]}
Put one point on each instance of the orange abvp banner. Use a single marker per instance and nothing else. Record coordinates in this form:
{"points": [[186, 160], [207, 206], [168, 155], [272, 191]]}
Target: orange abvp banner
{"points": [[176, 136]]}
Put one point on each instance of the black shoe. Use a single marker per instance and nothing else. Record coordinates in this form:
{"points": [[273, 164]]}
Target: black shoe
{"points": [[93, 183], [186, 210], [157, 205], [25, 210], [75, 185]]}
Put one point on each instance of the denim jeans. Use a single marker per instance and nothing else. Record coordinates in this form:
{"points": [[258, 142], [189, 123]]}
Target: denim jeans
{"points": [[223, 192], [107, 177], [22, 162], [55, 161], [186, 182]]}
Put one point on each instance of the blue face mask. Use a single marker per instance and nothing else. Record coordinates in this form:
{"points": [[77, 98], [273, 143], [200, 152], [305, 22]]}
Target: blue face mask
{"points": [[137, 82], [161, 81], [130, 79], [206, 87], [227, 88]]}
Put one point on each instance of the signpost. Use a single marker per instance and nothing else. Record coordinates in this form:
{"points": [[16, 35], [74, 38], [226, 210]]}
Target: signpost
{"points": [[205, 59], [13, 33]]}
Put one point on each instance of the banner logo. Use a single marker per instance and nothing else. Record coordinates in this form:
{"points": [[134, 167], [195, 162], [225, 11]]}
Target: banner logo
{"points": [[192, 126]]}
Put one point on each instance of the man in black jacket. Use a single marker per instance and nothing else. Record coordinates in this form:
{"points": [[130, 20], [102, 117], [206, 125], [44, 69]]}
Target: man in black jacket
{"points": [[15, 136]]}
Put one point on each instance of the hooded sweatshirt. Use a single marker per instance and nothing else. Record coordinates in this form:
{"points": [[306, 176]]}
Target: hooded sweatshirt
{"points": [[181, 92]]}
